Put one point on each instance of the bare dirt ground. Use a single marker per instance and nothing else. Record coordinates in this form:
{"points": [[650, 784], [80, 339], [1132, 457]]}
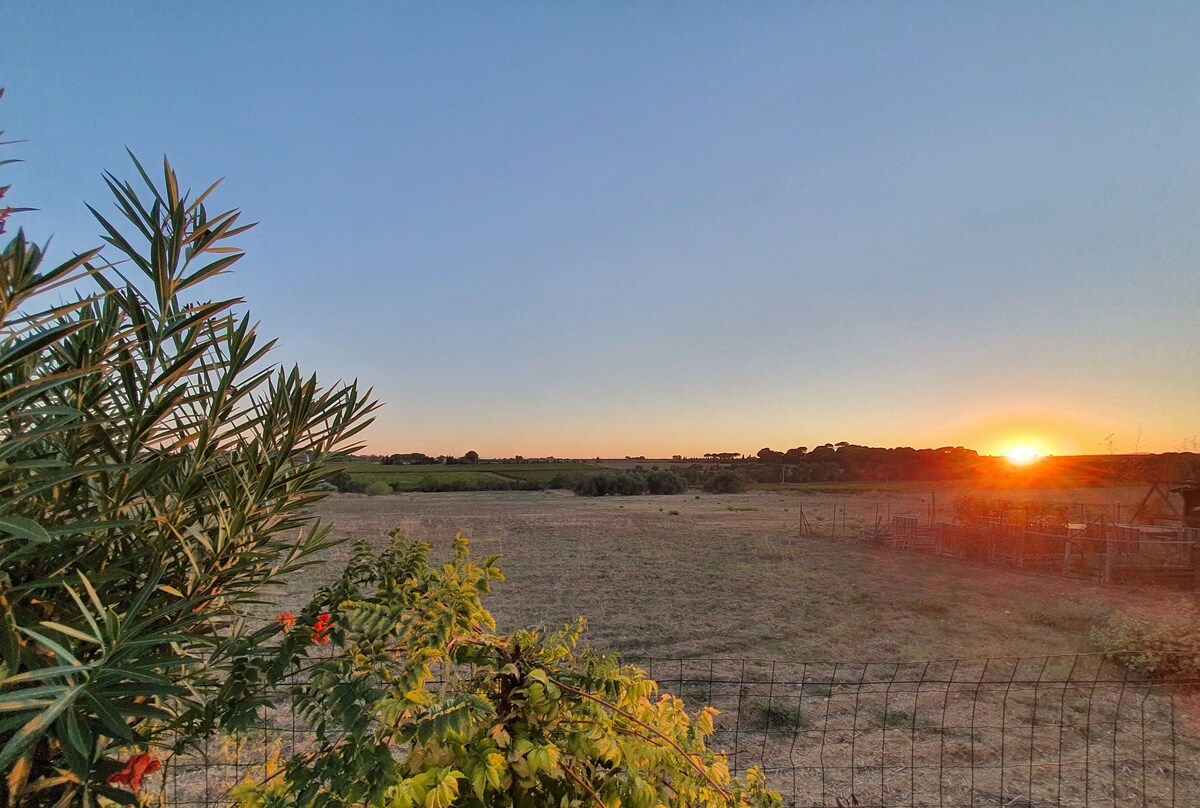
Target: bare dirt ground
{"points": [[701, 575]]}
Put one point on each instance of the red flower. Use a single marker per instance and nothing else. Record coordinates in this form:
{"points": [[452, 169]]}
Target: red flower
{"points": [[137, 768], [287, 620], [321, 630]]}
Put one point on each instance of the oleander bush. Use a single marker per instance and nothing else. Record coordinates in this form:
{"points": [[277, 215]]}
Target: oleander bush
{"points": [[156, 473], [156, 470]]}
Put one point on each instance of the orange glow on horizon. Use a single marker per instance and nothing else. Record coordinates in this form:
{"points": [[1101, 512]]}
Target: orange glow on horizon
{"points": [[1022, 455]]}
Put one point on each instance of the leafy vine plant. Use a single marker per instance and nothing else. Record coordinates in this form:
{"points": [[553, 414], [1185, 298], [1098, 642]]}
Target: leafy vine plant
{"points": [[156, 475], [424, 705]]}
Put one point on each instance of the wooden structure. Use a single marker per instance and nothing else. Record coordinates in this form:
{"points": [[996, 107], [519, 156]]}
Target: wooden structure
{"points": [[1099, 550], [907, 534], [1096, 549]]}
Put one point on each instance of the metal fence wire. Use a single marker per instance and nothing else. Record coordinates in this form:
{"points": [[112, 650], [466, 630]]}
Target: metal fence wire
{"points": [[1030, 732]]}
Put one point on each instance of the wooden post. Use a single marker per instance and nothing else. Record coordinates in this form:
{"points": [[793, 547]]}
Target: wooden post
{"points": [[1194, 551], [1066, 557], [1110, 556], [1021, 548]]}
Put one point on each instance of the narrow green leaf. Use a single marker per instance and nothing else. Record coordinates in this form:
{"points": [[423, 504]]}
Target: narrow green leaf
{"points": [[35, 727]]}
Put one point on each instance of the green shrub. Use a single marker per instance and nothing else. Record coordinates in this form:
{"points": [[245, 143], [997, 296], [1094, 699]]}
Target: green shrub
{"points": [[155, 471], [525, 719], [1164, 641], [665, 482], [564, 479], [376, 489], [438, 483], [345, 484], [611, 483], [726, 481]]}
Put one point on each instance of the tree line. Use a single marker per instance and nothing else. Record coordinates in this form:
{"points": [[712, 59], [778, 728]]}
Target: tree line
{"points": [[851, 462]]}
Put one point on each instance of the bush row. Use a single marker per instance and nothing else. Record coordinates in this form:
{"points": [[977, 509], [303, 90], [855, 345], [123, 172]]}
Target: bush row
{"points": [[584, 484], [431, 483], [629, 483]]}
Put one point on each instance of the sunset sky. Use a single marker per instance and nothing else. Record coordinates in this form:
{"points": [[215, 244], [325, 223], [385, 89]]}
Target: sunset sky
{"points": [[667, 228]]}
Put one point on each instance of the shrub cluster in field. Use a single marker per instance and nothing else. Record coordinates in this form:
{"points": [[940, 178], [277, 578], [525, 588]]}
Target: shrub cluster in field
{"points": [[1163, 641], [599, 483], [431, 482], [629, 483], [726, 481], [586, 484]]}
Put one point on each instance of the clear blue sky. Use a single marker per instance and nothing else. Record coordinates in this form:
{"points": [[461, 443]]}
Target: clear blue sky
{"points": [[667, 228]]}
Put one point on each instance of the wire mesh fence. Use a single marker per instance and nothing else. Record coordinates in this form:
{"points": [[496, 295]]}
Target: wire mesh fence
{"points": [[1030, 732]]}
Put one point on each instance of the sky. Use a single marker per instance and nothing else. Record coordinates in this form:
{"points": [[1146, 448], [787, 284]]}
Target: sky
{"points": [[610, 229]]}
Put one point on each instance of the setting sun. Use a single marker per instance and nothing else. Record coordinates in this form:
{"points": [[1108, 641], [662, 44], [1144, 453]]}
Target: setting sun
{"points": [[1022, 455]]}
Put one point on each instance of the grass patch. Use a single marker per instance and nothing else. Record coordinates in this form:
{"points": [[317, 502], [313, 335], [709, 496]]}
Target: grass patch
{"points": [[890, 718], [776, 719], [928, 608], [739, 508]]}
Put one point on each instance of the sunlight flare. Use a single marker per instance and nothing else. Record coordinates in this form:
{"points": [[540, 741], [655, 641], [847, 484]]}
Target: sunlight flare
{"points": [[1022, 455]]}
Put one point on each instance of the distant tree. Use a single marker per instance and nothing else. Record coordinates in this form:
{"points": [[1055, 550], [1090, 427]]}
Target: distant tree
{"points": [[795, 455], [471, 457]]}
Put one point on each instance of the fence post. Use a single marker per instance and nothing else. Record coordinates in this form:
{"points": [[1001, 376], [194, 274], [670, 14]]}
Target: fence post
{"points": [[1194, 552], [1110, 557], [1067, 557]]}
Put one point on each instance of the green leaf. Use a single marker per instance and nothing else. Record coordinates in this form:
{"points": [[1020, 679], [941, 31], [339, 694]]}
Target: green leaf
{"points": [[36, 726], [23, 528], [59, 651]]}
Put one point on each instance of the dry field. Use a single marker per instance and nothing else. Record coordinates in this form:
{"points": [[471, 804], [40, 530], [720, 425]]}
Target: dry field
{"points": [[729, 575]]}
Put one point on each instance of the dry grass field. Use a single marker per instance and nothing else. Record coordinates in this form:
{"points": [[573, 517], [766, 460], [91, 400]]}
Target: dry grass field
{"points": [[728, 575], [703, 576]]}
